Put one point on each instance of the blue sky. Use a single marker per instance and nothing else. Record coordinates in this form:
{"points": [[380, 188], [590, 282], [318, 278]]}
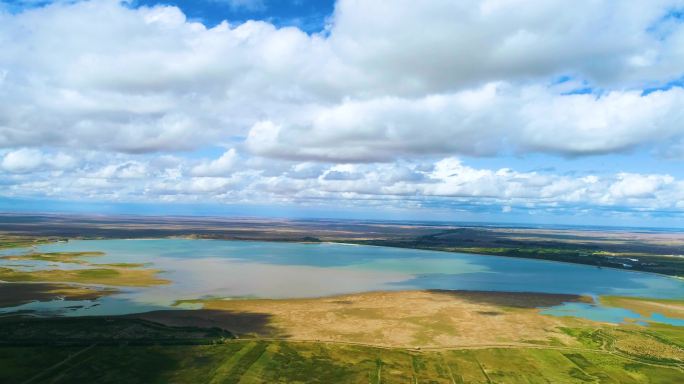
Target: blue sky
{"points": [[308, 15], [467, 111]]}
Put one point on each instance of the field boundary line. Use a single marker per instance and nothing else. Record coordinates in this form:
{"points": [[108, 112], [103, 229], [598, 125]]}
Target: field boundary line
{"points": [[59, 364]]}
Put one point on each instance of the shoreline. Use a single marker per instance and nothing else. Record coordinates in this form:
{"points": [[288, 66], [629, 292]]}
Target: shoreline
{"points": [[677, 277], [512, 257], [422, 249]]}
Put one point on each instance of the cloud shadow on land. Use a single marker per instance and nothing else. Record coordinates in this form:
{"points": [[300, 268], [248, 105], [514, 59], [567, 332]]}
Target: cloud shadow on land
{"points": [[238, 323]]}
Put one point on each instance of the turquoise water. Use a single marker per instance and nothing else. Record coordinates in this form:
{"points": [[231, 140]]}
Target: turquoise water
{"points": [[217, 268], [597, 312], [593, 312]]}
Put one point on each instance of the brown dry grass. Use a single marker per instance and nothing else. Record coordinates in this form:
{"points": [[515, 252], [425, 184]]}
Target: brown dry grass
{"points": [[408, 319]]}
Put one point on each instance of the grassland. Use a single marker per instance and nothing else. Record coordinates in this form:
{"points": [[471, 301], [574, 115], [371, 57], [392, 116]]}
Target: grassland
{"points": [[61, 257], [115, 274], [381, 337], [257, 361], [14, 241], [106, 276], [408, 319], [83, 258], [112, 330]]}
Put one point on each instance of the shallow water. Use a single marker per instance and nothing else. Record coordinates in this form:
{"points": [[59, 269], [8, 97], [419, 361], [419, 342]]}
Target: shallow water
{"points": [[217, 268], [608, 314]]}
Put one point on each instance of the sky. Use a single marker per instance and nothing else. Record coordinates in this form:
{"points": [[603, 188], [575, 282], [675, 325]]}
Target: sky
{"points": [[524, 111]]}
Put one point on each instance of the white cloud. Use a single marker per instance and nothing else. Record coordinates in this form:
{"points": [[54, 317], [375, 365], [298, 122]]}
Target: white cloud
{"points": [[27, 160], [384, 107], [221, 166], [486, 121], [22, 160], [434, 46], [387, 183], [614, 122], [125, 170], [147, 79], [630, 185]]}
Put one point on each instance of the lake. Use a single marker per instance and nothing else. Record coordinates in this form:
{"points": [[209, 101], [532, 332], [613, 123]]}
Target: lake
{"points": [[238, 269]]}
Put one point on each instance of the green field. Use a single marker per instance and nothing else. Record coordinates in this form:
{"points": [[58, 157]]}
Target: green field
{"points": [[283, 362], [126, 350]]}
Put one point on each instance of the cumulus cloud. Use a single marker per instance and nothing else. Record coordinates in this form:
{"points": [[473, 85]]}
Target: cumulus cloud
{"points": [[27, 160], [221, 166], [483, 121], [630, 185], [126, 170], [383, 105], [391, 184], [23, 160], [146, 79]]}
